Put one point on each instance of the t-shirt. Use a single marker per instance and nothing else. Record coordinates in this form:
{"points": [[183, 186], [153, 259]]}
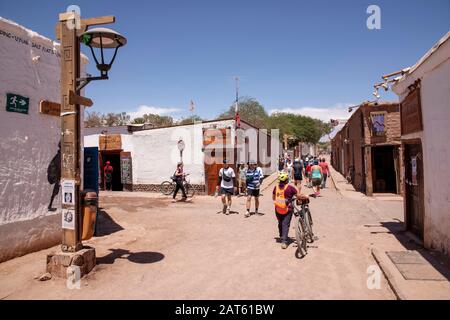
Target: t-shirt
{"points": [[289, 192], [242, 173], [227, 176], [298, 166], [325, 169], [253, 178], [108, 173]]}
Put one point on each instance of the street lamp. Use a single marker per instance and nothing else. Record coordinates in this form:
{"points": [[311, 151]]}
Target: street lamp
{"points": [[102, 38], [71, 83]]}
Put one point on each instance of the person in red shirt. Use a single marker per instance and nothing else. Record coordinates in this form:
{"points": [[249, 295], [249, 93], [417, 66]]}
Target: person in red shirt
{"points": [[308, 174], [107, 174], [325, 172]]}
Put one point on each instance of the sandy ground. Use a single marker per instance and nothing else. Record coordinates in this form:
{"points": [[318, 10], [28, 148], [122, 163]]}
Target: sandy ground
{"points": [[150, 248]]}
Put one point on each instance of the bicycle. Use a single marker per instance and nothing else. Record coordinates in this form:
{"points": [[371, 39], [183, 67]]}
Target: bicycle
{"points": [[168, 187], [303, 228]]}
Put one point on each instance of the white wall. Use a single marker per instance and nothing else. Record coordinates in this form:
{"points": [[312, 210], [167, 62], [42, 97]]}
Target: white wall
{"points": [[156, 154], [28, 142], [435, 97]]}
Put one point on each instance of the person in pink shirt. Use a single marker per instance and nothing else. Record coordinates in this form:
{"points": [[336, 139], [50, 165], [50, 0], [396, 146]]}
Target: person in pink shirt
{"points": [[325, 172]]}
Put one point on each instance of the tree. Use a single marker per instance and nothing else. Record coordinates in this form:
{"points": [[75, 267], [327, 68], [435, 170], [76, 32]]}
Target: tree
{"points": [[300, 128], [93, 119], [250, 110], [154, 119], [190, 120]]}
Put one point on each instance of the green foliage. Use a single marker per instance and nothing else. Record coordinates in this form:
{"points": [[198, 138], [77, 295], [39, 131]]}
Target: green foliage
{"points": [[189, 120], [299, 128], [250, 110], [155, 120]]}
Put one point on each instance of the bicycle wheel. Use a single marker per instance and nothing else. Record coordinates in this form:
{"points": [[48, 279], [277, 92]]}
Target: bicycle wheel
{"points": [[167, 188], [308, 226], [190, 191], [300, 236]]}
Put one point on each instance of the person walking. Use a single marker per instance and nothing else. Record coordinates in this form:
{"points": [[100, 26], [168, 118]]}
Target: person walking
{"points": [[108, 174], [179, 178], [316, 177], [308, 174], [227, 186], [254, 177], [242, 179], [298, 173], [282, 194], [325, 172]]}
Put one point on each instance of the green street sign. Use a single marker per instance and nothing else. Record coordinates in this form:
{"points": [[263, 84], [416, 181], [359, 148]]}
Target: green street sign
{"points": [[17, 103]]}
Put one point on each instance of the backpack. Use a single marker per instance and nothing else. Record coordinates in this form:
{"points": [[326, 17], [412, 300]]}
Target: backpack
{"points": [[224, 176], [54, 169]]}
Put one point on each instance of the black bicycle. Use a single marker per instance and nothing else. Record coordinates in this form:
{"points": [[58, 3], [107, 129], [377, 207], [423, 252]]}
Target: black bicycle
{"points": [[303, 227], [168, 187]]}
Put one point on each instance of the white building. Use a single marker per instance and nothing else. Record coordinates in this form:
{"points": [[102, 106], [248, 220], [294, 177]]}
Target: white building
{"points": [[154, 153], [425, 115], [29, 73]]}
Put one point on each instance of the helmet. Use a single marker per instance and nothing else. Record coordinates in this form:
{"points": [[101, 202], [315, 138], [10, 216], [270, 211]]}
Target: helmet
{"points": [[283, 176]]}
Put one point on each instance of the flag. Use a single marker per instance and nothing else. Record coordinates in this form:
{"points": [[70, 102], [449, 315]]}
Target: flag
{"points": [[238, 120], [191, 106]]}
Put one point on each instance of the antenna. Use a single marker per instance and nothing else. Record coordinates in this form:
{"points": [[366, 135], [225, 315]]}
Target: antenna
{"points": [[236, 78]]}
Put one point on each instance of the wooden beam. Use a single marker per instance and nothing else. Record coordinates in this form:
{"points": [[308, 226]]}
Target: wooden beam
{"points": [[98, 20], [76, 99], [50, 108]]}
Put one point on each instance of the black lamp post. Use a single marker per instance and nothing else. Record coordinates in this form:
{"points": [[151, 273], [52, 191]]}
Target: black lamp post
{"points": [[103, 38]]}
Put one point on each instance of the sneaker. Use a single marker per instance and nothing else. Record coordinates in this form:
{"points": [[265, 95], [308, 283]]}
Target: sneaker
{"points": [[284, 245], [247, 214], [228, 211], [256, 212]]}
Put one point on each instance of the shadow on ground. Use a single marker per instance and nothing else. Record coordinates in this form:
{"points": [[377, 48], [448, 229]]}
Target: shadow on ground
{"points": [[135, 257], [105, 224]]}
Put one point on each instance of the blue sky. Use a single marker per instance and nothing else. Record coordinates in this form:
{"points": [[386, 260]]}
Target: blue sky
{"points": [[303, 56]]}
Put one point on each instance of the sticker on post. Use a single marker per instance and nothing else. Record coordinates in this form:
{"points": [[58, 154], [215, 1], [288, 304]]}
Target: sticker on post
{"points": [[68, 219], [68, 192]]}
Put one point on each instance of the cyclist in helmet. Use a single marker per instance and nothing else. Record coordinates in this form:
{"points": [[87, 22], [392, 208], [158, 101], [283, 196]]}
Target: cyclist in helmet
{"points": [[282, 194]]}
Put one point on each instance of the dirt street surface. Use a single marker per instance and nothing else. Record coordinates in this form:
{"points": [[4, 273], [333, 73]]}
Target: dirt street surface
{"points": [[150, 248]]}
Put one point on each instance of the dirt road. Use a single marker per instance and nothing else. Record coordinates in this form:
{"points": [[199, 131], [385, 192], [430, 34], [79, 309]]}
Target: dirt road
{"points": [[150, 248]]}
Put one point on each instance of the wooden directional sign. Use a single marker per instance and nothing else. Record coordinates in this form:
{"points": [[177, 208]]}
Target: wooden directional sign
{"points": [[50, 108], [76, 99]]}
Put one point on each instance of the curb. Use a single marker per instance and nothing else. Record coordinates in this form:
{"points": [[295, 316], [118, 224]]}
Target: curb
{"points": [[274, 178], [388, 275]]}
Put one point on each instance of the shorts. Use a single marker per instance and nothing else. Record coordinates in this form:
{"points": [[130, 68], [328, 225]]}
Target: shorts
{"points": [[227, 191], [253, 193], [316, 182], [298, 177]]}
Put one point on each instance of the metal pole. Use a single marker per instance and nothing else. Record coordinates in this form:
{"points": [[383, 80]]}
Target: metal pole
{"points": [[70, 126]]}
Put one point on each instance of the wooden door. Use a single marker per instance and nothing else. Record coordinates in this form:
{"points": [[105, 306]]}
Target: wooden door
{"points": [[414, 188]]}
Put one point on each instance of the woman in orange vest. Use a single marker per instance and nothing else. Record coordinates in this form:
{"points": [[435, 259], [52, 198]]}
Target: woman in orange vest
{"points": [[282, 194]]}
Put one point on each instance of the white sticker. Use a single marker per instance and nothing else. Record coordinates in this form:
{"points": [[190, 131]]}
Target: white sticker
{"points": [[68, 219], [68, 192]]}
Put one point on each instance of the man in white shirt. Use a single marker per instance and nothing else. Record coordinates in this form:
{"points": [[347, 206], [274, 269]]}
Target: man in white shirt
{"points": [[227, 186]]}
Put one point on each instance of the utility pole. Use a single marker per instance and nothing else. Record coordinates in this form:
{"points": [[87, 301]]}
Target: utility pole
{"points": [[70, 128], [69, 31]]}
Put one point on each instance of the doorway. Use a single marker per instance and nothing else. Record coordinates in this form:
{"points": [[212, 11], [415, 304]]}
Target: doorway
{"points": [[112, 156], [414, 188], [384, 174]]}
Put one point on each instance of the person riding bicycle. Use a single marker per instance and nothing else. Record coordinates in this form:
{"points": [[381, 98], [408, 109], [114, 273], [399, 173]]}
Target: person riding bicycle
{"points": [[178, 177], [282, 195]]}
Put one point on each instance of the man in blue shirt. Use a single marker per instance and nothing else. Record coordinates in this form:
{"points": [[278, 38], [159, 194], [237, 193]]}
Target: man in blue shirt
{"points": [[254, 178]]}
